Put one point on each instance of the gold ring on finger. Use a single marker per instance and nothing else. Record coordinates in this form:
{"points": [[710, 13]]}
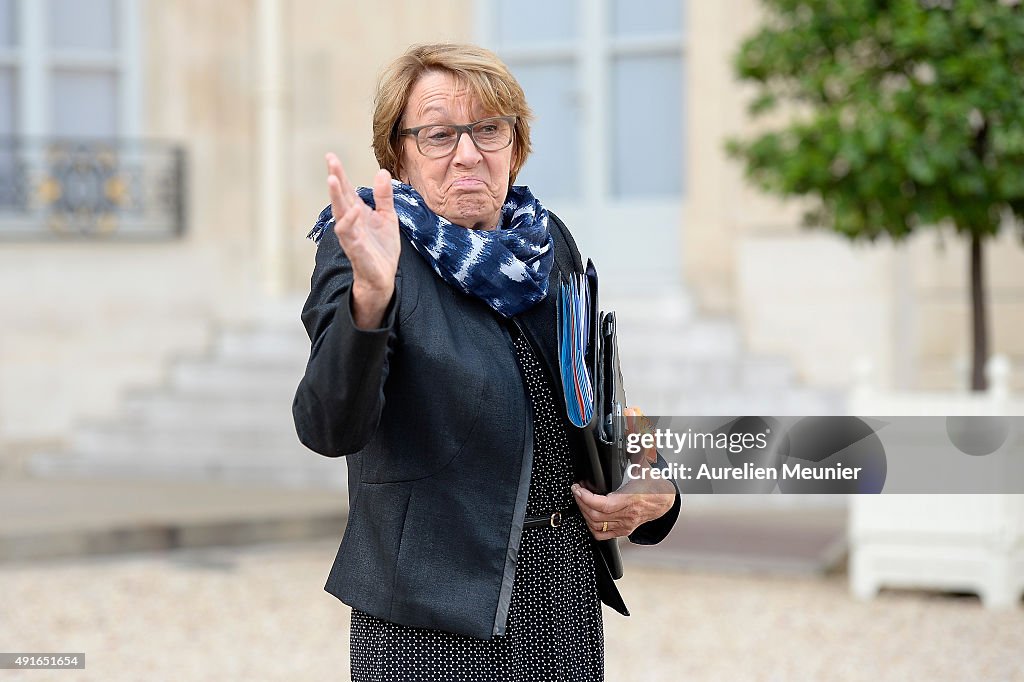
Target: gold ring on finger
{"points": [[604, 527]]}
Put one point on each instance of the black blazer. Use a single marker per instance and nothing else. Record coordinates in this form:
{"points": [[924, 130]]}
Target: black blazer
{"points": [[433, 414]]}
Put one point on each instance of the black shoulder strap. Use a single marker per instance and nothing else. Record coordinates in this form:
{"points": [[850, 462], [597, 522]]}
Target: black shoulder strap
{"points": [[572, 253]]}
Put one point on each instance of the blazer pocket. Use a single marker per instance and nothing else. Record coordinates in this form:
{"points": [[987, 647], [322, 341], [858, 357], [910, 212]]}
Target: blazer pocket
{"points": [[365, 569]]}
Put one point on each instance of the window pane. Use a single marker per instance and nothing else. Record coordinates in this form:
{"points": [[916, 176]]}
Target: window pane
{"points": [[650, 16], [552, 170], [528, 22], [7, 106], [8, 24], [8, 180], [647, 126], [82, 24], [84, 103]]}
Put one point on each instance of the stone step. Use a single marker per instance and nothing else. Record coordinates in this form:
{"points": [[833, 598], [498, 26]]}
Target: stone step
{"points": [[694, 374], [272, 442], [642, 312], [225, 378], [766, 373], [796, 402], [138, 399], [328, 473], [710, 340], [44, 518], [226, 416], [207, 411], [274, 314], [259, 345]]}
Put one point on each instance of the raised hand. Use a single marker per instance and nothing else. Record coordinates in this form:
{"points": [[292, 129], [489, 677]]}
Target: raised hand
{"points": [[370, 240]]}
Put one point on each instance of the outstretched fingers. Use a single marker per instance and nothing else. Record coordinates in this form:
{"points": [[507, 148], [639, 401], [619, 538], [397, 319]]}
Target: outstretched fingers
{"points": [[383, 193], [339, 205], [347, 188], [346, 226], [344, 193]]}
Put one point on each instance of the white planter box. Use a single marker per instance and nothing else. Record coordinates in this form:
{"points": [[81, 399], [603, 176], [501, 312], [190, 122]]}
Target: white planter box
{"points": [[970, 543]]}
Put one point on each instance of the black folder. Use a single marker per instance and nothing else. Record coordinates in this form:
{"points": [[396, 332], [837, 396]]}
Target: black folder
{"points": [[604, 436]]}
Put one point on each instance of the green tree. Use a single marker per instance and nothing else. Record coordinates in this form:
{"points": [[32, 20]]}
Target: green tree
{"points": [[906, 114]]}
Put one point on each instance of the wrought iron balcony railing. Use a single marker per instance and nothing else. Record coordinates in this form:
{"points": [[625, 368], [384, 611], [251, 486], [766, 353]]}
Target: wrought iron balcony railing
{"points": [[91, 189]]}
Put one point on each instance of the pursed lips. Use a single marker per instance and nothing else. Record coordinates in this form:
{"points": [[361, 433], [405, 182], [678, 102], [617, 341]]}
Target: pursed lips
{"points": [[468, 183]]}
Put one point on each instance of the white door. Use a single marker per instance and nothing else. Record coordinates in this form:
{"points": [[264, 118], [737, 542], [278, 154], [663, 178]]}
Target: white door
{"points": [[605, 79]]}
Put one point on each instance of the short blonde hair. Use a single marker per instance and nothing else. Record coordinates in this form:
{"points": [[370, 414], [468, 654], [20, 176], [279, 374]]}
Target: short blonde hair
{"points": [[480, 70]]}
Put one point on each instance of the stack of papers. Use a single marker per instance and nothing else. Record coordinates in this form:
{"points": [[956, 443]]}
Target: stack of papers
{"points": [[573, 336]]}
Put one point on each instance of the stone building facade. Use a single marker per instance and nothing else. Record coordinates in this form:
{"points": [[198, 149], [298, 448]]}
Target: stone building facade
{"points": [[254, 92]]}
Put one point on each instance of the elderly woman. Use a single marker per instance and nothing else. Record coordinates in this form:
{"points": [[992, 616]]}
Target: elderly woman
{"points": [[469, 552]]}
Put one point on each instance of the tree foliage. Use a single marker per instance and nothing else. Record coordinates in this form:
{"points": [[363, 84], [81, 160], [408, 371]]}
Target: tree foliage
{"points": [[906, 113]]}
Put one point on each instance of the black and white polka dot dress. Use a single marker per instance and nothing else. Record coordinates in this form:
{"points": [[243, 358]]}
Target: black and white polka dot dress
{"points": [[554, 630]]}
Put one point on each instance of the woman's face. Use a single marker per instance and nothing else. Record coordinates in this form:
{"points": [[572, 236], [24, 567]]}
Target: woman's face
{"points": [[467, 186]]}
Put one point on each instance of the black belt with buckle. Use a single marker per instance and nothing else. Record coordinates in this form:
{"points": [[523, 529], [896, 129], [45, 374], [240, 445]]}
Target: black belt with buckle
{"points": [[551, 520]]}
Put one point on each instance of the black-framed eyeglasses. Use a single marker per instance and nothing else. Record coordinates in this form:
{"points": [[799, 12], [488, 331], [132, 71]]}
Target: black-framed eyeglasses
{"points": [[488, 134]]}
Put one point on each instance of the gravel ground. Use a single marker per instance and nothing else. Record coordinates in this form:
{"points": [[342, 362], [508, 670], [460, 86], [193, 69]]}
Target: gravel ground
{"points": [[260, 613]]}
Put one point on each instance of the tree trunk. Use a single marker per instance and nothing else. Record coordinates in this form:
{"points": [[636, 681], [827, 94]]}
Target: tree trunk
{"points": [[979, 324]]}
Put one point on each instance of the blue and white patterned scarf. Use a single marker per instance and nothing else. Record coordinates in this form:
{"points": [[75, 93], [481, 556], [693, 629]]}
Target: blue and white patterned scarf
{"points": [[506, 268]]}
